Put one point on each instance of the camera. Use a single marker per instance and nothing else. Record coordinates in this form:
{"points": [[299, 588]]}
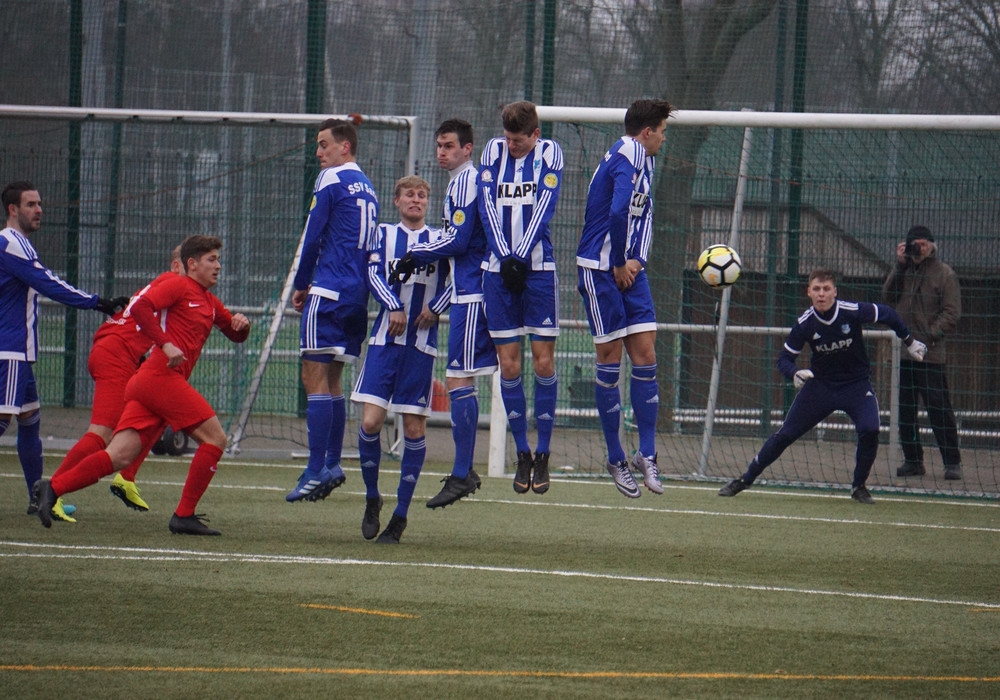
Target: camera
{"points": [[911, 249]]}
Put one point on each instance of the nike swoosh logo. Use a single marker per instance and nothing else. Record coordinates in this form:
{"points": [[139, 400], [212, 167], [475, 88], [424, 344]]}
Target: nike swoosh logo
{"points": [[192, 304]]}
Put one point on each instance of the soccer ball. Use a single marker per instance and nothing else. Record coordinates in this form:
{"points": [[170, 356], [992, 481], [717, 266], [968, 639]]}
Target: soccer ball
{"points": [[719, 265]]}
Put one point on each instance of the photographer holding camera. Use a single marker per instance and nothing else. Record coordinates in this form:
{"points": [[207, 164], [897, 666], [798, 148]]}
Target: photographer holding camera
{"points": [[925, 292]]}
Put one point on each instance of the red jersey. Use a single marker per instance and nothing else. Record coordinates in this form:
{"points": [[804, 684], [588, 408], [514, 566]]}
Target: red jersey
{"points": [[122, 333], [187, 313]]}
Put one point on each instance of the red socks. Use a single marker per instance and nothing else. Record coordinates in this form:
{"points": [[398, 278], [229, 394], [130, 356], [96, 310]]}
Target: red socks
{"points": [[85, 446], [199, 476], [86, 473]]}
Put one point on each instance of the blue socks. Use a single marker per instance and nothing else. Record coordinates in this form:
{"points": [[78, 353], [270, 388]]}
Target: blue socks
{"points": [[335, 446], [29, 448], [319, 416], [512, 393], [370, 448], [608, 399], [546, 390], [464, 423], [645, 406], [410, 465]]}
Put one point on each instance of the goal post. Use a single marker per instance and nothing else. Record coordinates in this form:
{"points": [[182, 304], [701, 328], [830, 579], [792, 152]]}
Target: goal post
{"points": [[237, 175], [860, 181], [866, 178]]}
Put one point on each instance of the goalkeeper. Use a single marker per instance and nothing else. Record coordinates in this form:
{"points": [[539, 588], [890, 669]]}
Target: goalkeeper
{"points": [[838, 378]]}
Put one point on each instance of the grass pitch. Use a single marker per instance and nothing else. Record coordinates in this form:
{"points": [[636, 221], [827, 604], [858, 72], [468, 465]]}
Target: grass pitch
{"points": [[579, 593]]}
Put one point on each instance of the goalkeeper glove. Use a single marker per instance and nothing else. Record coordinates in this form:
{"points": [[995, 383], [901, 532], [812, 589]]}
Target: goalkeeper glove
{"points": [[404, 267], [801, 377], [514, 274], [111, 306], [915, 348]]}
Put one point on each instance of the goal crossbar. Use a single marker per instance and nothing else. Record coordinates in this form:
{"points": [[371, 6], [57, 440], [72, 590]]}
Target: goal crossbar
{"points": [[785, 120]]}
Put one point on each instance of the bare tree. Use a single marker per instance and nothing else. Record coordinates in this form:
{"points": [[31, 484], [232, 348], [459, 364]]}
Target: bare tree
{"points": [[960, 54], [877, 37], [686, 49], [597, 61]]}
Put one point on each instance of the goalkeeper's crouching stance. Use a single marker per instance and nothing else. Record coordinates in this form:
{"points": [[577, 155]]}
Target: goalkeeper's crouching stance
{"points": [[838, 378]]}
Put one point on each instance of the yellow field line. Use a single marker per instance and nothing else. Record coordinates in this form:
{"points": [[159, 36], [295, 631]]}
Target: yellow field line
{"points": [[597, 675], [362, 611]]}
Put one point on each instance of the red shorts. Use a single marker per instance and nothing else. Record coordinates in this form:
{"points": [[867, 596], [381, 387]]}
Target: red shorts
{"points": [[155, 399], [111, 371]]}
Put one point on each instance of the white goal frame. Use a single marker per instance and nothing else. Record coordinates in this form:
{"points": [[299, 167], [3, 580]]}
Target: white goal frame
{"points": [[747, 120]]}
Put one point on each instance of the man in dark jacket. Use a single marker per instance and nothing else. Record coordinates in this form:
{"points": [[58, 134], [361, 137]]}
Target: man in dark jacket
{"points": [[925, 292]]}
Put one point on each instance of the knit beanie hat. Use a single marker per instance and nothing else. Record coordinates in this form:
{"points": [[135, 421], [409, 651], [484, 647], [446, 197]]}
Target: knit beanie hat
{"points": [[919, 232]]}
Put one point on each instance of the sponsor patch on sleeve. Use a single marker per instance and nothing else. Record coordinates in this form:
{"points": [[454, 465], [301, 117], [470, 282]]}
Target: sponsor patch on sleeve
{"points": [[458, 218], [551, 180]]}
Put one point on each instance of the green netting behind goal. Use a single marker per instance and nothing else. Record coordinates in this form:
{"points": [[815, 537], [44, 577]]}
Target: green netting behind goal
{"points": [[840, 199]]}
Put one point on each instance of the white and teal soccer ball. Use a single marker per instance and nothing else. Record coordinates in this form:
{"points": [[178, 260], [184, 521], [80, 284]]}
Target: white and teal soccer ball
{"points": [[719, 265]]}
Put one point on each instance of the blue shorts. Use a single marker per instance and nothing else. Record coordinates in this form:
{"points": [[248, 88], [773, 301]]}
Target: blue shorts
{"points": [[394, 376], [470, 348], [20, 393], [534, 311], [332, 330], [612, 313]]}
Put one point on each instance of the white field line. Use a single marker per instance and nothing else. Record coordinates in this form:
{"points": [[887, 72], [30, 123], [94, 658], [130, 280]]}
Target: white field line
{"points": [[55, 551], [626, 506], [597, 482]]}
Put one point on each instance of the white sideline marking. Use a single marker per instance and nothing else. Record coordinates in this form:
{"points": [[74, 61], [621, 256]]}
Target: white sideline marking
{"points": [[156, 554], [759, 516], [634, 508]]}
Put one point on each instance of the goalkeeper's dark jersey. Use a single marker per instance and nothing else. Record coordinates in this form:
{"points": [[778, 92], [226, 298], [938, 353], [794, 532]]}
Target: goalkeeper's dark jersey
{"points": [[838, 349]]}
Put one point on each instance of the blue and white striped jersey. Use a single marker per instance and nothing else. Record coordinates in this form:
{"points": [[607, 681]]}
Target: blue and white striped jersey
{"points": [[426, 286], [342, 215], [22, 278], [838, 348], [618, 224], [517, 198], [464, 240]]}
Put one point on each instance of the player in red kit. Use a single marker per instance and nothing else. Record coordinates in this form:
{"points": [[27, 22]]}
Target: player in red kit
{"points": [[118, 349], [159, 394]]}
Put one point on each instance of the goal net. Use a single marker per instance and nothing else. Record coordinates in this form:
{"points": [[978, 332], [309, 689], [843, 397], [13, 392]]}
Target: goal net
{"points": [[831, 190]]}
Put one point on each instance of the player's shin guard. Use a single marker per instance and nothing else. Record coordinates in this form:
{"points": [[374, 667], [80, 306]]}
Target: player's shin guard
{"points": [[609, 408], [319, 416], [370, 450], [338, 422], [645, 406], [87, 472], [512, 393], [414, 452], [29, 447], [84, 447], [546, 390], [464, 422], [200, 473]]}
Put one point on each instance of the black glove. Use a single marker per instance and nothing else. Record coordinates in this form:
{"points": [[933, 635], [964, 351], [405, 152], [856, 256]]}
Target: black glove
{"points": [[111, 306], [514, 274], [405, 267]]}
